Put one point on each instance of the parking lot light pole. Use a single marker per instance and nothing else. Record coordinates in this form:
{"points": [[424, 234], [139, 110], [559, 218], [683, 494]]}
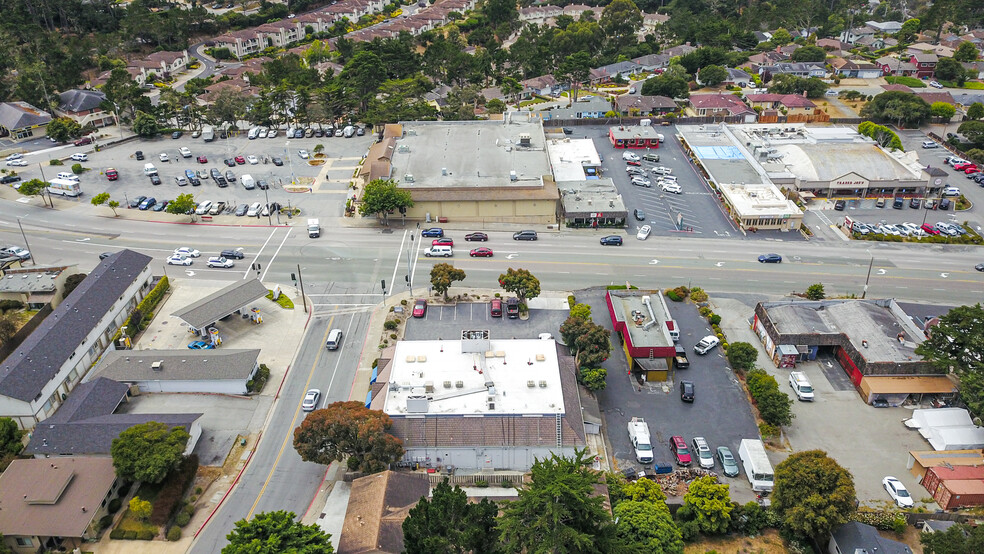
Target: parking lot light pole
{"points": [[267, 196], [871, 261]]}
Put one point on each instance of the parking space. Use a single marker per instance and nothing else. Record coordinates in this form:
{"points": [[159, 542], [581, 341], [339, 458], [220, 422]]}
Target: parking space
{"points": [[695, 210], [448, 321]]}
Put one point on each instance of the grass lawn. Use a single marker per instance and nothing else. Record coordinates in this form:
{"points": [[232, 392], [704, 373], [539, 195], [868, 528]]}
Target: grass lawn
{"points": [[766, 543], [130, 523], [910, 82]]}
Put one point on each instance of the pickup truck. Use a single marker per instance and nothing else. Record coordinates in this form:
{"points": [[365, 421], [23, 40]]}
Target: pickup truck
{"points": [[512, 308], [641, 443], [680, 359]]}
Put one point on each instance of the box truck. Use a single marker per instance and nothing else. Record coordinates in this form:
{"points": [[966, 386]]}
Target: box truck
{"points": [[64, 187], [756, 464], [208, 134], [639, 435], [314, 228]]}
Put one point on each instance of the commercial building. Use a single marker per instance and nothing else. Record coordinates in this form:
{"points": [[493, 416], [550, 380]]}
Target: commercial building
{"points": [[592, 203], [85, 107], [377, 506], [480, 404], [642, 320], [35, 378], [921, 461], [504, 178], [221, 371], [869, 338], [634, 136], [21, 121]]}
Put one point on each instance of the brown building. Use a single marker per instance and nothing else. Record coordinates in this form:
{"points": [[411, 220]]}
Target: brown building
{"points": [[377, 506]]}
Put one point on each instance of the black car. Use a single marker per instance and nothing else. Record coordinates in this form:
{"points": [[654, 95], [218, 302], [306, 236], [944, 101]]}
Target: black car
{"points": [[176, 135], [568, 131], [914, 202], [136, 201], [195, 182], [277, 161], [9, 179], [233, 254], [230, 176], [139, 155], [840, 205], [215, 173], [242, 209], [319, 133], [262, 184], [687, 391], [525, 235], [611, 240], [945, 204], [229, 162], [155, 180], [480, 237], [435, 232], [105, 255], [639, 214]]}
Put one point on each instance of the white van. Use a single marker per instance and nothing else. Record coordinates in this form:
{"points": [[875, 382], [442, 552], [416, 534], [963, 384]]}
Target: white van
{"points": [[801, 386], [68, 176], [253, 133], [334, 339], [440, 250], [349, 131], [149, 169], [248, 182]]}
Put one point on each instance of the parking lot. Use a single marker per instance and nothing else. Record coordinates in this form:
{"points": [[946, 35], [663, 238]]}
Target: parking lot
{"points": [[448, 321]]}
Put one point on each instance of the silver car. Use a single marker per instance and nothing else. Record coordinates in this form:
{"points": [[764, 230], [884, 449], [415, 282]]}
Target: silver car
{"points": [[311, 400]]}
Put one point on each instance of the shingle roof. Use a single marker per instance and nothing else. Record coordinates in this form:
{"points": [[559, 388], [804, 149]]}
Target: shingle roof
{"points": [[130, 366], [18, 115], [221, 303], [77, 100], [854, 535], [86, 423], [377, 506], [38, 359]]}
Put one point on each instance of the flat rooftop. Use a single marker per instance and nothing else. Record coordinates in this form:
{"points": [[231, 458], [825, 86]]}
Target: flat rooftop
{"points": [[872, 326], [627, 132], [568, 157], [474, 377], [29, 281], [761, 200], [475, 154], [596, 196], [829, 161], [721, 156], [632, 307]]}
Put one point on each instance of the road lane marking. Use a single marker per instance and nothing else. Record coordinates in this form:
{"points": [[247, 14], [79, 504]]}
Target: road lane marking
{"points": [[275, 254]]}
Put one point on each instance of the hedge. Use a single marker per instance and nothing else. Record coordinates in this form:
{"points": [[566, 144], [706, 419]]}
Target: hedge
{"points": [[146, 535], [172, 489], [117, 534], [147, 305], [174, 534]]}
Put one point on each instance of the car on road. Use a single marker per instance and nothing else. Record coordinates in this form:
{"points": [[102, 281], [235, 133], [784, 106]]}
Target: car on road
{"points": [[178, 259], [233, 253], [135, 202], [611, 240], [525, 235], [432, 232], [897, 491], [770, 259], [420, 307], [202, 159], [80, 157], [253, 160], [218, 261], [641, 182], [979, 267], [840, 205], [240, 160], [481, 252], [83, 141], [687, 391], [706, 344], [443, 241], [671, 187], [147, 204], [935, 84], [303, 154], [112, 174], [15, 156], [176, 134], [201, 345], [187, 251], [727, 460], [639, 214], [680, 451], [644, 232], [477, 236], [105, 255], [17, 163], [310, 402], [568, 131]]}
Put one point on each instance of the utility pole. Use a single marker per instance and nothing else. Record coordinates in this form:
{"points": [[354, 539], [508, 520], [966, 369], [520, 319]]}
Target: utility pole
{"points": [[301, 280], [409, 274], [871, 261], [26, 245]]}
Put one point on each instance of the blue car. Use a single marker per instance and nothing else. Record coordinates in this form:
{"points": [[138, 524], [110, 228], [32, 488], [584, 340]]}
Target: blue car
{"points": [[611, 240], [148, 203], [190, 174], [200, 345], [770, 259], [436, 232]]}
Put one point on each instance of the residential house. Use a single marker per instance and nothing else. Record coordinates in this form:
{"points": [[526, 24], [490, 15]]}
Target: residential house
{"points": [[238, 86], [931, 96], [738, 77], [925, 64], [623, 69], [793, 104], [163, 65], [35, 286], [762, 36], [585, 108], [975, 70], [936, 525], [20, 121], [53, 359], [377, 506], [241, 43], [966, 99], [55, 505], [543, 85], [923, 47], [830, 44], [577, 10], [680, 50], [540, 14], [652, 21], [653, 62], [851, 36], [639, 105], [870, 42], [893, 66], [770, 57], [854, 537], [788, 49], [886, 27], [799, 69], [84, 107], [858, 70], [719, 105], [87, 423]]}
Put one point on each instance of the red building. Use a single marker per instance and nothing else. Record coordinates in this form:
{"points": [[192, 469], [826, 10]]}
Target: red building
{"points": [[634, 136], [642, 319], [925, 63]]}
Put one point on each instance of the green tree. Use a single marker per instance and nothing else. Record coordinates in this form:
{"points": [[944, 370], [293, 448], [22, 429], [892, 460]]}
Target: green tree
{"points": [[443, 276], [589, 342], [781, 37], [742, 356], [34, 187], [775, 407], [975, 155], [145, 125], [382, 196], [881, 134], [63, 129], [647, 527], [582, 311], [148, 451], [973, 130], [558, 510], [942, 110], [710, 505], [958, 539], [644, 490], [574, 70], [447, 522], [593, 378], [362, 76], [975, 111], [954, 346], [813, 494], [966, 52], [712, 75], [809, 53], [276, 533], [785, 83], [666, 85], [520, 282], [909, 31], [140, 508], [899, 107], [183, 204], [949, 69], [71, 282], [348, 429], [10, 437], [103, 198], [815, 292], [495, 106], [620, 20]]}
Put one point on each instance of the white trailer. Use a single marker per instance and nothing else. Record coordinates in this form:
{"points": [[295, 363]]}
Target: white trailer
{"points": [[756, 464], [641, 441], [64, 187]]}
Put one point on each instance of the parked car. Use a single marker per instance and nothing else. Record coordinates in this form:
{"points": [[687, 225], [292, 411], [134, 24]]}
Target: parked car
{"points": [[277, 161], [630, 156], [112, 174], [727, 461], [202, 159], [135, 202], [687, 391], [230, 176], [147, 203], [242, 209], [897, 491], [641, 182], [303, 154], [840, 205], [420, 307], [253, 160], [176, 135], [83, 141], [155, 180], [680, 451], [639, 214], [935, 84], [80, 157], [667, 186], [240, 160], [201, 345], [229, 162]]}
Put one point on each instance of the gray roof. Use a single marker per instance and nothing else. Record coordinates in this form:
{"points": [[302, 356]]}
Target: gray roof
{"points": [[619, 67], [86, 424], [30, 280], [131, 366], [221, 303], [853, 536], [18, 115], [38, 359], [938, 524], [77, 100]]}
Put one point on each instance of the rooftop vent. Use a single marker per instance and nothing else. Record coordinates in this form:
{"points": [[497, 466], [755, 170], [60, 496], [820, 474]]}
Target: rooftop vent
{"points": [[157, 366]]}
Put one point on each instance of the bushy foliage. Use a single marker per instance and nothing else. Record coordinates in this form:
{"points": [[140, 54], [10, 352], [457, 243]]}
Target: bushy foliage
{"points": [[173, 489]]}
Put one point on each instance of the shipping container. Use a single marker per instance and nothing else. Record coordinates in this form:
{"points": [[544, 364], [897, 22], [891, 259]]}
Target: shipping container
{"points": [[936, 475], [958, 494]]}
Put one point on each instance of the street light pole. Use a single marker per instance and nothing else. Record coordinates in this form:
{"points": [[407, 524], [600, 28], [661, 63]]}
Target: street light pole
{"points": [[871, 261], [26, 245], [301, 280], [409, 274]]}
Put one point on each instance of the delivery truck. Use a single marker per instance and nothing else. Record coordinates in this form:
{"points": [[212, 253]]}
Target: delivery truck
{"points": [[641, 441], [208, 134], [756, 464], [314, 228]]}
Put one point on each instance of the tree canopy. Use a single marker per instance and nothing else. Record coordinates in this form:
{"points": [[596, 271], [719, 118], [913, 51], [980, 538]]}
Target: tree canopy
{"points": [[520, 282], [276, 533], [589, 342], [443, 275], [958, 539], [710, 505], [899, 107], [148, 451], [348, 429], [955, 345], [447, 522], [812, 494], [647, 527], [382, 196]]}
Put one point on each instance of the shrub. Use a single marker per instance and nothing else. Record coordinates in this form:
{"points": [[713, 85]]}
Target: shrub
{"points": [[77, 169], [715, 319], [189, 508], [182, 519], [705, 311], [105, 521], [698, 295], [768, 430], [130, 535], [124, 489], [117, 534], [682, 291], [7, 305], [506, 484], [689, 530], [742, 356], [198, 490], [593, 379], [672, 295], [173, 488], [114, 505], [481, 483], [55, 162], [146, 535], [391, 324], [174, 534]]}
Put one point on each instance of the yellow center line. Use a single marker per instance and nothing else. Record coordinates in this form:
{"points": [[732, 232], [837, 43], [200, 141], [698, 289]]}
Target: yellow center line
{"points": [[290, 432]]}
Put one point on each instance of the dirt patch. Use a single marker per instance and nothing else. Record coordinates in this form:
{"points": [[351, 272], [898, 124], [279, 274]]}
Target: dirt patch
{"points": [[316, 162], [768, 542], [910, 538]]}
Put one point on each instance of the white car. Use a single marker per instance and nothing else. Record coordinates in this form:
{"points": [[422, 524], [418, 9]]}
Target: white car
{"points": [[185, 152], [897, 491], [254, 209], [178, 259], [262, 133], [252, 160], [951, 191], [303, 154], [18, 252], [642, 182], [671, 187], [80, 157], [187, 251], [15, 156], [217, 261], [17, 163], [661, 170], [935, 84], [668, 178], [272, 133], [630, 157], [163, 157], [311, 400], [204, 207], [644, 231]]}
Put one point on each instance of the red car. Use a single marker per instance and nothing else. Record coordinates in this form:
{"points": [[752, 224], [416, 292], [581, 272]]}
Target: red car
{"points": [[964, 166], [240, 160], [680, 451], [202, 160], [420, 308], [632, 162], [929, 229], [443, 241], [112, 175], [83, 141], [971, 169], [481, 253]]}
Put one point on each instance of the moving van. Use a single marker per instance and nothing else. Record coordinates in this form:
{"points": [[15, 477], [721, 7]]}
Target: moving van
{"points": [[801, 386], [149, 169]]}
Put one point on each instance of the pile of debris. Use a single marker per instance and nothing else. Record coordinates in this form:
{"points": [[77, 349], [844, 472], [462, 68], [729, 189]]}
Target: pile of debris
{"points": [[677, 483]]}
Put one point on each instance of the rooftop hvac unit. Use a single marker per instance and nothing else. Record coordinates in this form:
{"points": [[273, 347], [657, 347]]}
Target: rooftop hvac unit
{"points": [[543, 384], [408, 178], [404, 148], [512, 176], [491, 405], [429, 387], [447, 384], [459, 384], [444, 171], [531, 384], [157, 366], [525, 139]]}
